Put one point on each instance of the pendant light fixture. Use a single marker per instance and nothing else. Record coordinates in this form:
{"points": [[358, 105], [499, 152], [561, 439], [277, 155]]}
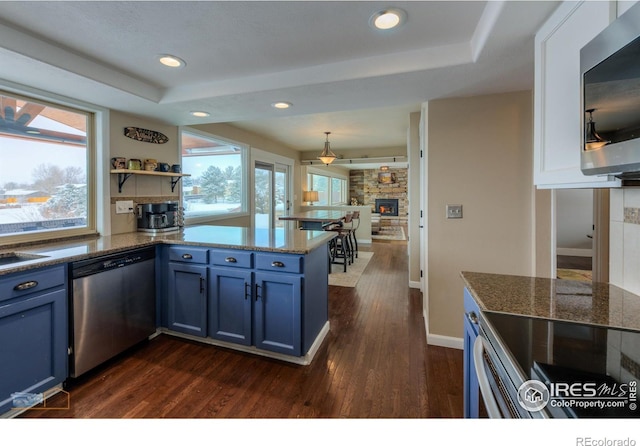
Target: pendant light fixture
{"points": [[327, 156], [592, 140]]}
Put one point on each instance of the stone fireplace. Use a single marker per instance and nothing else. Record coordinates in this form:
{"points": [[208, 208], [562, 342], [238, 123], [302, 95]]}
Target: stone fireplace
{"points": [[387, 206], [366, 187]]}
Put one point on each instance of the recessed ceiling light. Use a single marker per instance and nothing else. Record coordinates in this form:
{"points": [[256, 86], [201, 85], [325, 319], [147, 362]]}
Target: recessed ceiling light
{"points": [[281, 105], [388, 18], [200, 114], [171, 61]]}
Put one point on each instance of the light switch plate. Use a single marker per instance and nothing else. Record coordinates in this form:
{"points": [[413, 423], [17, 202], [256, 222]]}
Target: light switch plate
{"points": [[124, 207], [454, 211]]}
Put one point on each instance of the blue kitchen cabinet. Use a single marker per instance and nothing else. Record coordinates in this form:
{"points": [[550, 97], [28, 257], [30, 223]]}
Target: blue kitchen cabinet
{"points": [[471, 390], [34, 333], [230, 305], [270, 301], [187, 298], [230, 295], [278, 316], [186, 290]]}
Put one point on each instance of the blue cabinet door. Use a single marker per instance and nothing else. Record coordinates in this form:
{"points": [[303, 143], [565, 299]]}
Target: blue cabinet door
{"points": [[277, 312], [471, 390], [33, 346], [187, 299], [230, 303]]}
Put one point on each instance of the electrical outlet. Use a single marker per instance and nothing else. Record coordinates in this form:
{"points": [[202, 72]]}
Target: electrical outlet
{"points": [[454, 211], [124, 207]]}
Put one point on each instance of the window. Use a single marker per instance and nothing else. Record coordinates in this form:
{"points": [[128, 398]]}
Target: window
{"points": [[217, 185], [332, 189], [44, 178]]}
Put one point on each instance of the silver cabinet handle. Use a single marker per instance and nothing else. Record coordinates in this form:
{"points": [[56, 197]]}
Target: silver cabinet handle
{"points": [[483, 382], [187, 256], [277, 264], [473, 317], [231, 260], [25, 285]]}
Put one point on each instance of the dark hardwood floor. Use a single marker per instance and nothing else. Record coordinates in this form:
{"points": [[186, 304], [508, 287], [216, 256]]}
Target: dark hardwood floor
{"points": [[374, 363]]}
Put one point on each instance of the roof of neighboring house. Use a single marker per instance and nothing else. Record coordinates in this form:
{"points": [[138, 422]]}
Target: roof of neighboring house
{"points": [[24, 193]]}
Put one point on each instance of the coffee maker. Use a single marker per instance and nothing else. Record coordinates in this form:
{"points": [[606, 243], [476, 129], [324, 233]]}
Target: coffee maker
{"points": [[158, 218]]}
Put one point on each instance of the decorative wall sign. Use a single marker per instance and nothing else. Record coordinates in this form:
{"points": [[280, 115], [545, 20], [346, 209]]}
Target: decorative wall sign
{"points": [[145, 135]]}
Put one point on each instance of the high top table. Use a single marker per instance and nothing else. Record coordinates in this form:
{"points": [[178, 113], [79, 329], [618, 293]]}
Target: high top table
{"points": [[315, 220]]}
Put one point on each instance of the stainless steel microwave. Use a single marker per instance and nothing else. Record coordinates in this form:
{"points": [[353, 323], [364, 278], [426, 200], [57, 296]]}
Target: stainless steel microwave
{"points": [[610, 106]]}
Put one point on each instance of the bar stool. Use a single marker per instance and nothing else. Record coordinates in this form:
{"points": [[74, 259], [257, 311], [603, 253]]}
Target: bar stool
{"points": [[353, 226], [340, 246]]}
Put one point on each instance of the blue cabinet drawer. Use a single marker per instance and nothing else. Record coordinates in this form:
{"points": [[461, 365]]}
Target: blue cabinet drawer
{"points": [[28, 282], [188, 254], [233, 258], [285, 263]]}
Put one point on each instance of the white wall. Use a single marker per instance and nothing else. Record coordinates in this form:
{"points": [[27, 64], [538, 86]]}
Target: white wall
{"points": [[574, 221]]}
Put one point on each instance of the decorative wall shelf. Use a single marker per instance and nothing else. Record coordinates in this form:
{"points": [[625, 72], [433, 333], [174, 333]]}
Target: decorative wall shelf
{"points": [[124, 174]]}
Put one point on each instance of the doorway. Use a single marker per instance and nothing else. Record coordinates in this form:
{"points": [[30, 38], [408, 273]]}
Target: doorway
{"points": [[271, 193], [582, 234]]}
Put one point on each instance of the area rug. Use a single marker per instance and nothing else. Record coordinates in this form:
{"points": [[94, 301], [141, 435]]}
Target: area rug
{"points": [[574, 274], [354, 271], [390, 233]]}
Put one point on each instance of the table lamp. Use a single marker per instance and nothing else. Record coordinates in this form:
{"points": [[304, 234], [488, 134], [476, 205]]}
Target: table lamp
{"points": [[310, 196]]}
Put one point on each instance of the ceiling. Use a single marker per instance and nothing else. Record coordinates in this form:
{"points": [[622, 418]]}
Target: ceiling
{"points": [[339, 73]]}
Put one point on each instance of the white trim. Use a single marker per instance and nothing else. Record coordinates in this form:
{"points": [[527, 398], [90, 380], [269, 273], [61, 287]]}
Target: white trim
{"points": [[415, 284], [574, 252], [445, 341], [325, 173], [246, 179], [300, 360], [98, 179], [262, 155]]}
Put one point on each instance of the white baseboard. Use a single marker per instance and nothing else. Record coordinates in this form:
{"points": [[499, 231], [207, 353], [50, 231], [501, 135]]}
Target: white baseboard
{"points": [[440, 340], [365, 241], [414, 284], [576, 252], [300, 360], [445, 341]]}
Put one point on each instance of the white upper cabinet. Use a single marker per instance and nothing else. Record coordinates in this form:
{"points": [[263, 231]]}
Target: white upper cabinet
{"points": [[623, 5], [557, 126]]}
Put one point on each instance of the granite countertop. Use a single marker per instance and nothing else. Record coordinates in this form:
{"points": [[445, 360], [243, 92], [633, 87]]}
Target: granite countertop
{"points": [[288, 239], [599, 304]]}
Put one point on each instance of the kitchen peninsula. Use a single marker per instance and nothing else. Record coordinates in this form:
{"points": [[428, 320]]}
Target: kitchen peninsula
{"points": [[261, 291]]}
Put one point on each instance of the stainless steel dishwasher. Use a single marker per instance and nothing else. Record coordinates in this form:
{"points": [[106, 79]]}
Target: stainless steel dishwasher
{"points": [[112, 306]]}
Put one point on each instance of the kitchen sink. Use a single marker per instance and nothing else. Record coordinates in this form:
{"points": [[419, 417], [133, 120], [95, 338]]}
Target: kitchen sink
{"points": [[10, 258]]}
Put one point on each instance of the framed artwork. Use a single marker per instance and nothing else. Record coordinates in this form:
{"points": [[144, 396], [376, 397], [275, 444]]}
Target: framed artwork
{"points": [[386, 177]]}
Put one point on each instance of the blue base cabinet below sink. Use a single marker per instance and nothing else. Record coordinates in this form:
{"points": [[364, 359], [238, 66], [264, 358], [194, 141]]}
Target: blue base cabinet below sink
{"points": [[187, 299], [33, 334]]}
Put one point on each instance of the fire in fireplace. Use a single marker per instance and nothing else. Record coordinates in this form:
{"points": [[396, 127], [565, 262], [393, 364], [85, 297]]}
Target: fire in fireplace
{"points": [[387, 206]]}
